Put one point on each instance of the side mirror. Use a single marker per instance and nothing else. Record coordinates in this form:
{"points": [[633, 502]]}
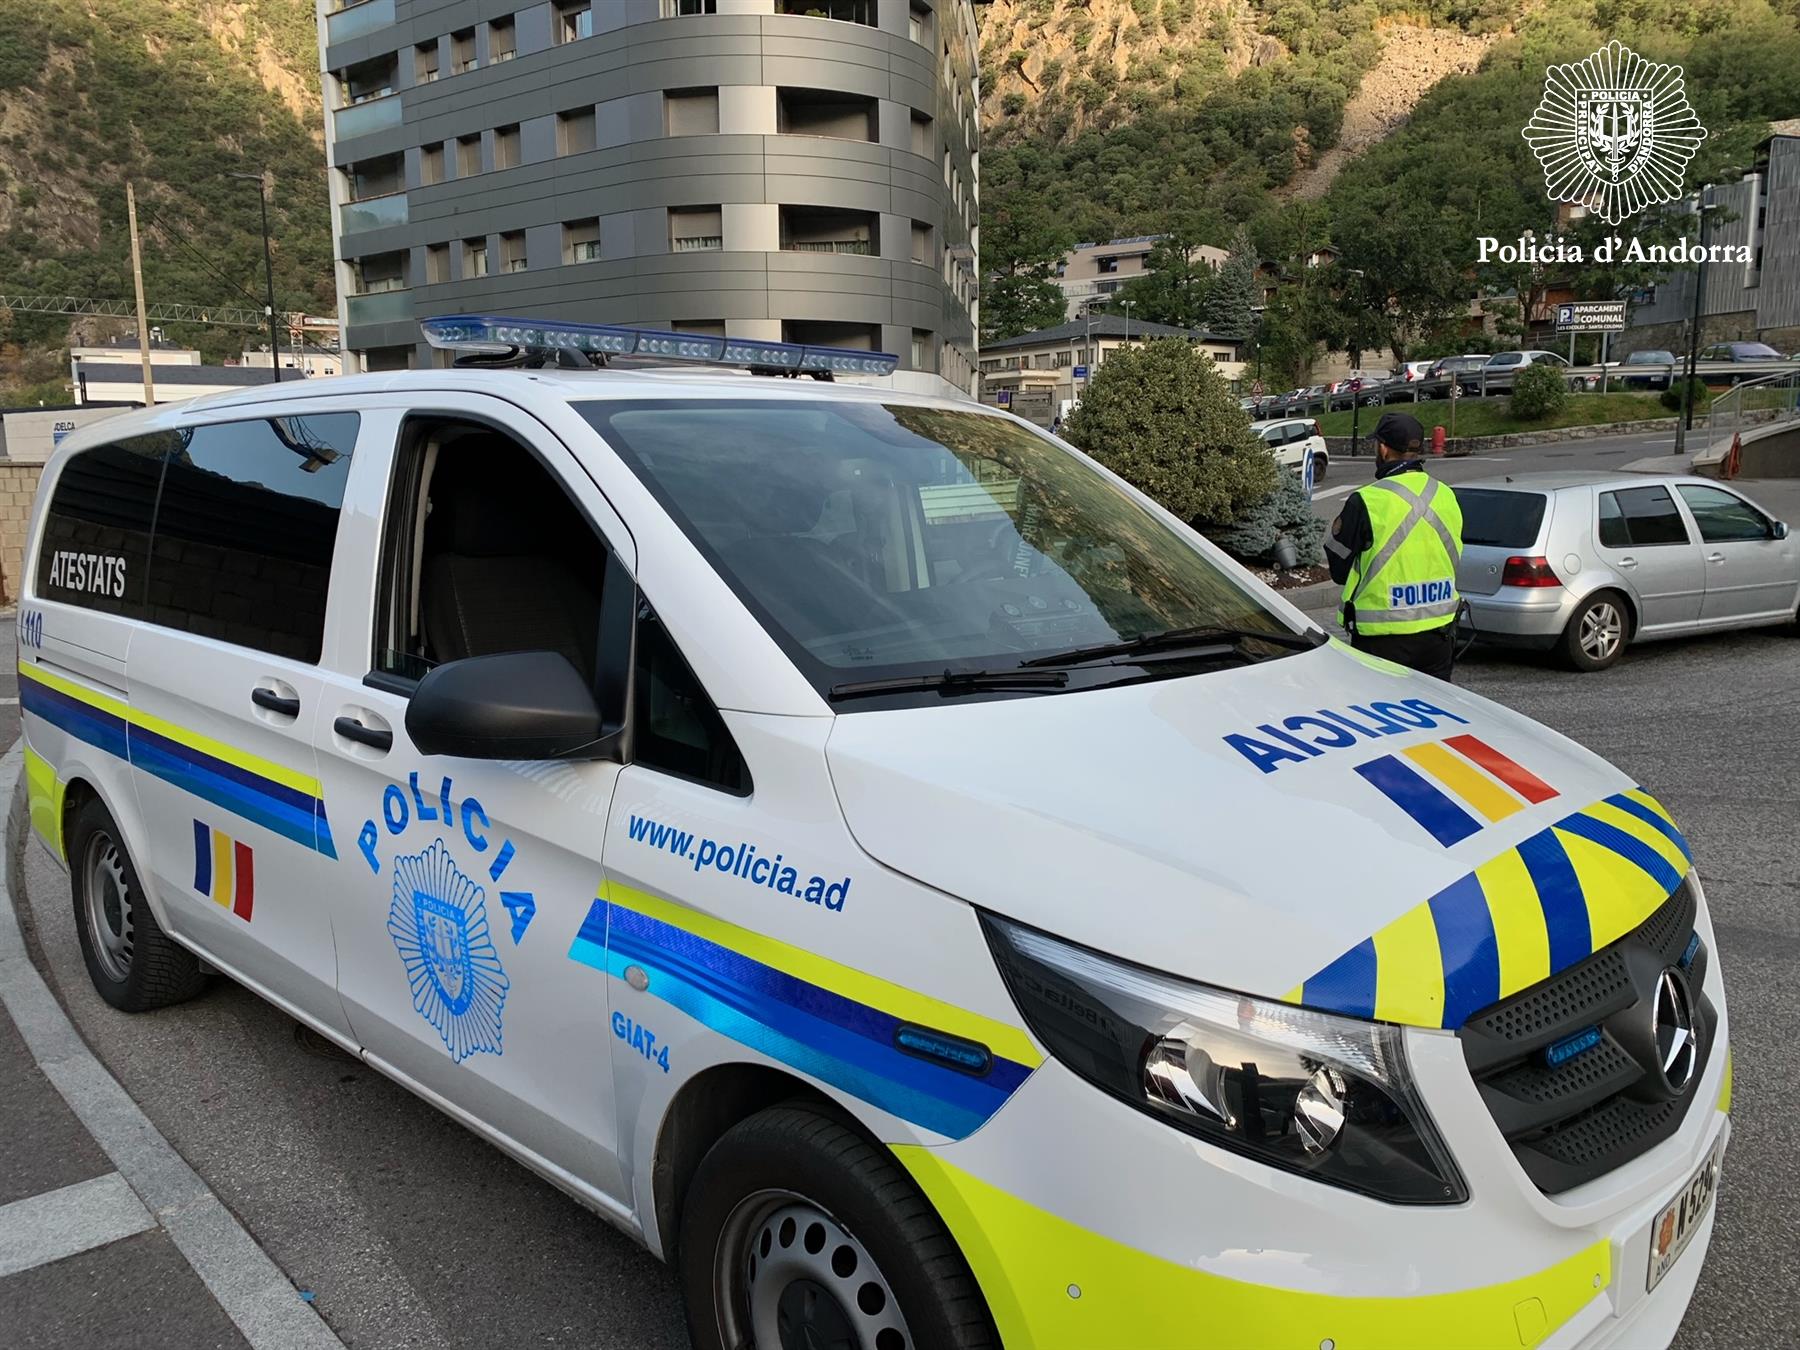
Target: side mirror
{"points": [[513, 705], [1778, 529]]}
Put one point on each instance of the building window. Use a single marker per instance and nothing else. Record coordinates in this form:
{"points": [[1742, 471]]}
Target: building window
{"points": [[682, 9], [922, 249], [1064, 360], [468, 156], [503, 42], [695, 228], [369, 80], [437, 264], [376, 177], [918, 23], [506, 147], [431, 163], [862, 337], [574, 20], [512, 251], [700, 327], [1110, 263], [921, 135], [946, 166], [845, 11], [924, 350], [575, 131], [581, 241], [462, 52], [812, 229], [475, 258], [425, 63], [691, 112], [818, 112], [381, 272]]}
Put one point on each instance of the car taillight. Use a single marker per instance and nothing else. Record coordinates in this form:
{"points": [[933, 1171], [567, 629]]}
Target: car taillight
{"points": [[1533, 571]]}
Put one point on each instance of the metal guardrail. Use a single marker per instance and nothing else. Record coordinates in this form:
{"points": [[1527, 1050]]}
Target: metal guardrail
{"points": [[1770, 399]]}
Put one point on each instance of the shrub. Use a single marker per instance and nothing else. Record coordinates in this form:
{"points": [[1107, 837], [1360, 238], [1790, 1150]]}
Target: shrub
{"points": [[1696, 390], [1284, 511], [1162, 417], [1539, 390]]}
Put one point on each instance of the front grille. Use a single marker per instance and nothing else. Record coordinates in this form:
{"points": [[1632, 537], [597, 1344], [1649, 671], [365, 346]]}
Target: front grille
{"points": [[1570, 1122]]}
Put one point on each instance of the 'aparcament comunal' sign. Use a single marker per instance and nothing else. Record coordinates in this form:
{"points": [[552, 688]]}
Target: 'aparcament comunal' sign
{"points": [[1614, 133]]}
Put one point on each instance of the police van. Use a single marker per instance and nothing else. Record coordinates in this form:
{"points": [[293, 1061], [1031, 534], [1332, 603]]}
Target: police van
{"points": [[873, 856]]}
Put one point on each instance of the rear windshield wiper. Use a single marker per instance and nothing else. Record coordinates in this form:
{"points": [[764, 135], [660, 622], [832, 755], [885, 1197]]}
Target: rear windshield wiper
{"points": [[953, 682], [1229, 639]]}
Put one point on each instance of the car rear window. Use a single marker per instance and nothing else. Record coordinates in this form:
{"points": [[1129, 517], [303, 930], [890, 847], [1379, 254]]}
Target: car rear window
{"points": [[1496, 519]]}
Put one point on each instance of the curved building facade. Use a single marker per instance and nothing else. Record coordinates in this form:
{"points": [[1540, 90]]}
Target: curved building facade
{"points": [[781, 169]]}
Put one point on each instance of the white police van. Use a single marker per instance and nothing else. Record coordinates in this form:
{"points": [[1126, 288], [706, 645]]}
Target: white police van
{"points": [[848, 840]]}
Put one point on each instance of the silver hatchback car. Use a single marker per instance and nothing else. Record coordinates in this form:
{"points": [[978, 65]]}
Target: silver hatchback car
{"points": [[1587, 563]]}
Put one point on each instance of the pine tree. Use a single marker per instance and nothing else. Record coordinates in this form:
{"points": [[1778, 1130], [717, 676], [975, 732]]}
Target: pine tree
{"points": [[1231, 300], [1252, 536]]}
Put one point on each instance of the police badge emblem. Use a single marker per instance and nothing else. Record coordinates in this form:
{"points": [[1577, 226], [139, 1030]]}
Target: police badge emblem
{"points": [[1614, 133], [438, 920]]}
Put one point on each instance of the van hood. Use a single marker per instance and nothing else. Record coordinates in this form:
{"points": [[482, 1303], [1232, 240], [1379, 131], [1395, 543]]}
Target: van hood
{"points": [[1326, 828]]}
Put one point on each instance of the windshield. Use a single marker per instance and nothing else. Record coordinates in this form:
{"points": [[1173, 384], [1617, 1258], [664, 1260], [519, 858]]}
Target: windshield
{"points": [[885, 540]]}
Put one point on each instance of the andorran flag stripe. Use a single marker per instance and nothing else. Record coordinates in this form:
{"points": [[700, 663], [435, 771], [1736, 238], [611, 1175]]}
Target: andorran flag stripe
{"points": [[224, 870]]}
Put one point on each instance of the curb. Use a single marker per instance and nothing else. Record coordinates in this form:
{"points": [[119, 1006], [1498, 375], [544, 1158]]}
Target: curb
{"points": [[262, 1303]]}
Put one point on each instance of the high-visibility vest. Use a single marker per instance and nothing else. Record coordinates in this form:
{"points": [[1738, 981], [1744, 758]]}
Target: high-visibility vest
{"points": [[1405, 581]]}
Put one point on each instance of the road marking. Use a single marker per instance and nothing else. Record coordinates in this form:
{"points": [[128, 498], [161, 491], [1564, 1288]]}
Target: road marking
{"points": [[9, 702], [261, 1301], [45, 1228], [1336, 491]]}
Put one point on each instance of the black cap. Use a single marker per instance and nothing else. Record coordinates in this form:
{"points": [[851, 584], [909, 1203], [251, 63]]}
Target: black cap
{"points": [[1400, 431]]}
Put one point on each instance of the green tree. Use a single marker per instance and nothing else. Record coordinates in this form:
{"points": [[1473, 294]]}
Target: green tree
{"points": [[1175, 285], [1283, 512], [1022, 243], [1540, 390], [1162, 417], [1231, 300]]}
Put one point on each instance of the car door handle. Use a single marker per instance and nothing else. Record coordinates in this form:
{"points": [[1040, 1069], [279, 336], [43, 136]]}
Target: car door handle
{"points": [[378, 738], [1715, 557], [275, 703], [1627, 562]]}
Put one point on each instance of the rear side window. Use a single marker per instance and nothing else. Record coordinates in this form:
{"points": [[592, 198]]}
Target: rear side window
{"points": [[1494, 519], [226, 531], [95, 550], [1647, 516]]}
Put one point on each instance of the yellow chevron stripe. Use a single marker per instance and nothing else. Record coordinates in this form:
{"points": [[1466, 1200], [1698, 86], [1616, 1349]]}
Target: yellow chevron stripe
{"points": [[221, 869], [1409, 970], [1639, 795], [1619, 894], [907, 1004], [1465, 780], [1647, 834], [1518, 916], [136, 717]]}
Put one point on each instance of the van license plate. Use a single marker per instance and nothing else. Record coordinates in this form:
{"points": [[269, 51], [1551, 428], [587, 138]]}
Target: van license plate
{"points": [[1681, 1217]]}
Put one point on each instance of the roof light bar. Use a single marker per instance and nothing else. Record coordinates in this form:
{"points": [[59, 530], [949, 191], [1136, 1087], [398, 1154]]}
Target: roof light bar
{"points": [[498, 336]]}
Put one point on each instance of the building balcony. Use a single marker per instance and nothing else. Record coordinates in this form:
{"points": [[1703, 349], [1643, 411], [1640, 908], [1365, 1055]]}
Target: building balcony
{"points": [[378, 114], [354, 20], [373, 213], [393, 306], [857, 246]]}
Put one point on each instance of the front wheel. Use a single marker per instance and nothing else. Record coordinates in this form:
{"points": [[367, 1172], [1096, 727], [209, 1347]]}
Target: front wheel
{"points": [[1597, 632], [797, 1232]]}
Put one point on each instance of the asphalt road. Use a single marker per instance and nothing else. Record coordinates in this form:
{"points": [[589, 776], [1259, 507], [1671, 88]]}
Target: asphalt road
{"points": [[411, 1232]]}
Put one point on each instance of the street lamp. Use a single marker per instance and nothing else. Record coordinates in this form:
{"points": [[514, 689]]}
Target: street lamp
{"points": [[1707, 203], [262, 201], [1355, 389], [1126, 306]]}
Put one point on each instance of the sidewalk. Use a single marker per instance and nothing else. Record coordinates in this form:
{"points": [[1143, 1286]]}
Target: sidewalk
{"points": [[107, 1237]]}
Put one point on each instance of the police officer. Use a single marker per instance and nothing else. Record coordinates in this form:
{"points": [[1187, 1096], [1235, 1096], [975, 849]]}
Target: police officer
{"points": [[1394, 547]]}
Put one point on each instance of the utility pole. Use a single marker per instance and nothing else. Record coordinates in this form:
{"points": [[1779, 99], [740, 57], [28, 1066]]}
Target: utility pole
{"points": [[262, 201], [137, 280], [1705, 204], [1126, 306]]}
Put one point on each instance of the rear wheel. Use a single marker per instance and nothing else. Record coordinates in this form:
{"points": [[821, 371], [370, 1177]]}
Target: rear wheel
{"points": [[132, 962], [1597, 632], [799, 1233]]}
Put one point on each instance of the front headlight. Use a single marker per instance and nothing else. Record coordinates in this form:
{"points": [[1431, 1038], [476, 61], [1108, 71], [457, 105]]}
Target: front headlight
{"points": [[1325, 1096]]}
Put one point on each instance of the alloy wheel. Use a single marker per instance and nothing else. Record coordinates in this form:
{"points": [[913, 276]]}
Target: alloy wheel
{"points": [[1602, 630]]}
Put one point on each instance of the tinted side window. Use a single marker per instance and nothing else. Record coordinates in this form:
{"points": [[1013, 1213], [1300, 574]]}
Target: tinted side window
{"points": [[1613, 531], [1651, 517], [675, 727], [246, 528], [95, 550], [1722, 516]]}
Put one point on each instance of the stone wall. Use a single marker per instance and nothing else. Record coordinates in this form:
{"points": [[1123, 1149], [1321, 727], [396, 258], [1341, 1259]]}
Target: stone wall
{"points": [[18, 483]]}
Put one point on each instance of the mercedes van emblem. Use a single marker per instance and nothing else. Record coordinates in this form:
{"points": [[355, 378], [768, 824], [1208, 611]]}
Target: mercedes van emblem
{"points": [[1677, 1047]]}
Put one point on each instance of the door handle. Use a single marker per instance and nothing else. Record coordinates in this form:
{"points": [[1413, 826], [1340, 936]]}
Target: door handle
{"points": [[275, 703], [1715, 557], [1627, 562], [378, 738]]}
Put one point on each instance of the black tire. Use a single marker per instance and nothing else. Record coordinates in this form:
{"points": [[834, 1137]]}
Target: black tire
{"points": [[1583, 646], [132, 962], [796, 1162], [1320, 464]]}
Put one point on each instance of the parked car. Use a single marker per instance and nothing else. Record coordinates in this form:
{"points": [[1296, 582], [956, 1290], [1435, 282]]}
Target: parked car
{"points": [[1496, 374], [1362, 386], [1647, 370], [1587, 563], [1448, 368], [1293, 439], [1740, 351]]}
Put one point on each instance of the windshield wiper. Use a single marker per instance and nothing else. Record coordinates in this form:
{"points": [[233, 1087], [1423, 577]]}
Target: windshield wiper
{"points": [[1227, 639], [953, 682]]}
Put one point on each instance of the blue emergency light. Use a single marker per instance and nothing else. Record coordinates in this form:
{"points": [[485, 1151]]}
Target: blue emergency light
{"points": [[484, 335]]}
